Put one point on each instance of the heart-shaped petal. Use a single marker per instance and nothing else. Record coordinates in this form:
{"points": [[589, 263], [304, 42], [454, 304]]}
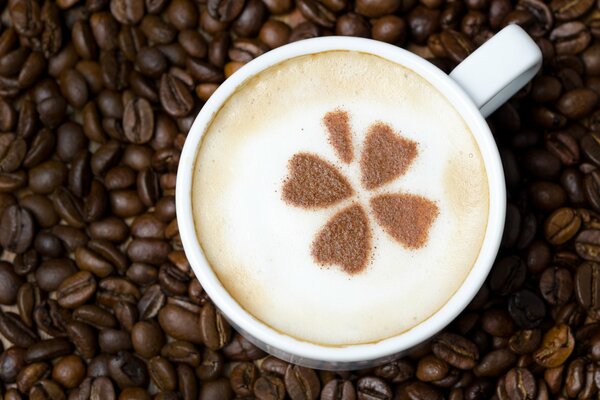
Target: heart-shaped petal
{"points": [[313, 182], [405, 217], [338, 125], [345, 240], [385, 156]]}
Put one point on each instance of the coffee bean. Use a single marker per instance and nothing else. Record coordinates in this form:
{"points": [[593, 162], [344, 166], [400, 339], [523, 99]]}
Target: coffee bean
{"points": [[240, 349], [127, 370], [69, 371], [127, 12], [507, 275], [371, 387], [431, 368], [591, 187], [547, 196], [162, 373], [12, 361], [269, 388], [83, 338], [147, 339], [526, 309], [218, 389], [338, 389], [301, 383], [497, 323], [102, 388], [181, 324], [250, 20], [556, 285], [587, 284], [174, 96], [274, 34], [520, 384], [566, 11], [76, 289], [562, 225], [455, 350], [9, 283], [577, 103], [587, 245], [570, 37], [48, 349], [30, 375], [214, 330], [95, 316], [138, 121], [557, 345], [17, 233], [47, 177], [352, 24], [13, 156], [105, 29]]}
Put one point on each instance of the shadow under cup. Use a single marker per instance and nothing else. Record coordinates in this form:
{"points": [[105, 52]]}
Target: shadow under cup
{"points": [[360, 355]]}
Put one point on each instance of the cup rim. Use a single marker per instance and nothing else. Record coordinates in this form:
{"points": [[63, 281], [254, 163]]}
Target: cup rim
{"points": [[279, 342]]}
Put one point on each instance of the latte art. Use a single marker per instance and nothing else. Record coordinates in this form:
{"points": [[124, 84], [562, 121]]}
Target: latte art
{"points": [[339, 198], [346, 238]]}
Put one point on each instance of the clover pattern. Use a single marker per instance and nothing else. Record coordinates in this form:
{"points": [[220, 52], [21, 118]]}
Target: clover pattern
{"points": [[346, 239]]}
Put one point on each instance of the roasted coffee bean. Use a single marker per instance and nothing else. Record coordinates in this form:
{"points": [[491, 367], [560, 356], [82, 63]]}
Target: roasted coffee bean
{"points": [[76, 289], [526, 309], [112, 341], [175, 96], [497, 322], [162, 373], [9, 283], [181, 324], [301, 383], [562, 225], [214, 330], [587, 284], [557, 345], [30, 375], [102, 388], [185, 352], [98, 366], [48, 349], [51, 318], [218, 389], [83, 338], [12, 361], [371, 387], [338, 389], [269, 388], [519, 383], [508, 275], [128, 12], [17, 232], [147, 339], [577, 102], [240, 349], [52, 273], [455, 350], [127, 370], [95, 316], [570, 38], [69, 371], [556, 285], [587, 244], [431, 368]]}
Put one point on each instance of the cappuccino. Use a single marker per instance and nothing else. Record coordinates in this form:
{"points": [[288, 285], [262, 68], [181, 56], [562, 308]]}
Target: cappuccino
{"points": [[339, 198]]}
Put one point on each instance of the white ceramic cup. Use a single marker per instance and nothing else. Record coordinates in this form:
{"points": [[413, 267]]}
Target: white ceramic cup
{"points": [[476, 87]]}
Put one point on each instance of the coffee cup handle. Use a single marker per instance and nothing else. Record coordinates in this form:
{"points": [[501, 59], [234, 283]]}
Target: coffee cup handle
{"points": [[499, 68]]}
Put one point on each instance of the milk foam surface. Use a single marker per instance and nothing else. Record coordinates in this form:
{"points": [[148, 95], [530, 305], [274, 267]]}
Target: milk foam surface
{"points": [[260, 246]]}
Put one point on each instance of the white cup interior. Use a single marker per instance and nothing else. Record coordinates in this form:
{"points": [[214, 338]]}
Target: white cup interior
{"points": [[353, 356]]}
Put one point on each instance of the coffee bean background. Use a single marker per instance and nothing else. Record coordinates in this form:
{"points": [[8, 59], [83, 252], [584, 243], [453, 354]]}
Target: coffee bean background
{"points": [[97, 299]]}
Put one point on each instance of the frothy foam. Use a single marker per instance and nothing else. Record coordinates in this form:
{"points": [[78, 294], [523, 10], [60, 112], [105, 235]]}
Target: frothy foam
{"points": [[340, 198]]}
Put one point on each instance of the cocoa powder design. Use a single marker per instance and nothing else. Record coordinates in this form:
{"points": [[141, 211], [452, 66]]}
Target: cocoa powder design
{"points": [[346, 239]]}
